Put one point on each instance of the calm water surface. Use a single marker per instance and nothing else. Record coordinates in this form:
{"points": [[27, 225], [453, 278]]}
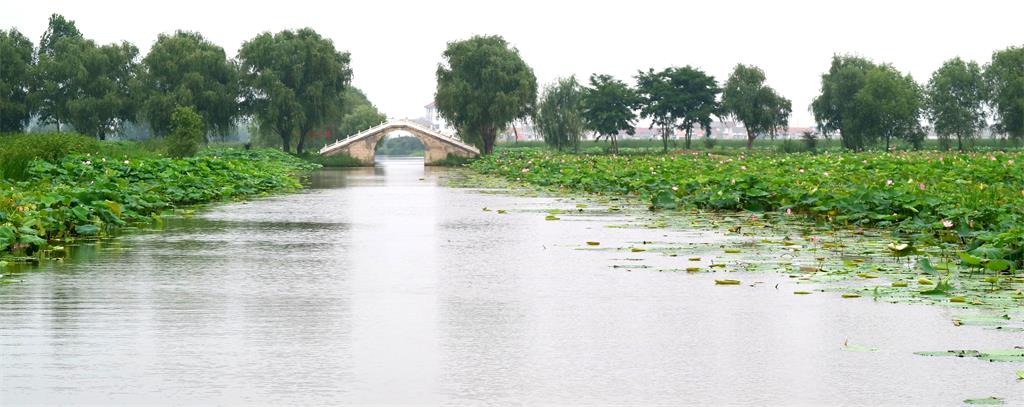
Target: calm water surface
{"points": [[380, 286]]}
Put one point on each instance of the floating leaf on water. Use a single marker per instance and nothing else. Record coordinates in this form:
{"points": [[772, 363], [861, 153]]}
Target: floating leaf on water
{"points": [[733, 251], [957, 299], [925, 281], [985, 401], [486, 209], [502, 211], [694, 259], [981, 320], [580, 205], [809, 269], [801, 292], [591, 243], [859, 348], [970, 260], [899, 283], [637, 249], [995, 355], [552, 217], [1020, 375], [851, 295], [727, 282], [692, 269]]}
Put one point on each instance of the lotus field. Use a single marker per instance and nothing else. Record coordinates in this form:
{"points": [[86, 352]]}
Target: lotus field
{"points": [[973, 202], [90, 194]]}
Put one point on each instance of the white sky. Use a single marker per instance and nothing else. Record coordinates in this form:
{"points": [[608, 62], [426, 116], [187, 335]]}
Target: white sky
{"points": [[396, 45]]}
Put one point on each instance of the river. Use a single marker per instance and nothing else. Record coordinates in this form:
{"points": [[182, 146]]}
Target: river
{"points": [[382, 285]]}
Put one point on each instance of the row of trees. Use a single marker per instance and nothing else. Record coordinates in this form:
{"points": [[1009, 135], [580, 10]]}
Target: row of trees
{"points": [[293, 83], [869, 103], [484, 85]]}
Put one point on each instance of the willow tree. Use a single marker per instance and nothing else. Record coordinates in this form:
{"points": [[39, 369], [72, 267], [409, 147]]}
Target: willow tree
{"points": [[15, 73], [758, 106], [559, 114], [956, 101], [294, 81], [58, 61], [483, 85], [1005, 76], [607, 107], [185, 69], [835, 109]]}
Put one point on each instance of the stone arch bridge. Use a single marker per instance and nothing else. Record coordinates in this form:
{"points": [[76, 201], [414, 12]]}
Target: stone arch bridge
{"points": [[363, 145]]}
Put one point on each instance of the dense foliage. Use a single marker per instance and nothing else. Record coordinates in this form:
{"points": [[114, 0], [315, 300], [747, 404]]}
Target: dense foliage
{"points": [[185, 69], [186, 133], [483, 85], [867, 103], [559, 116], [15, 73], [972, 198], [678, 98], [294, 82], [88, 194], [746, 97], [1005, 76], [956, 97], [607, 106]]}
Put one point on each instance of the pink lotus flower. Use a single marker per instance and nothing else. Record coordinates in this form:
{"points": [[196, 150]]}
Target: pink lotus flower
{"points": [[888, 182], [920, 186], [947, 223], [789, 211]]}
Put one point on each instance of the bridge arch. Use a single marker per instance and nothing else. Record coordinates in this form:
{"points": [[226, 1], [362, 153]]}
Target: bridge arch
{"points": [[436, 146]]}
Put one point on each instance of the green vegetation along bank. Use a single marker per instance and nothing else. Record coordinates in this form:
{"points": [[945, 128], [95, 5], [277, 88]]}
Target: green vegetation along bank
{"points": [[972, 201], [79, 193]]}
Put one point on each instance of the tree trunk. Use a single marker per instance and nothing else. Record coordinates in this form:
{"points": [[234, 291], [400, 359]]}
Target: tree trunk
{"points": [[286, 141], [487, 135], [302, 141], [750, 139], [960, 143], [664, 139], [688, 131]]}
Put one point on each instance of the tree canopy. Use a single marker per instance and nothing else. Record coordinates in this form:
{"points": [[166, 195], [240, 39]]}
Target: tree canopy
{"points": [[1005, 77], [758, 106], [607, 107], [15, 74], [955, 98], [483, 85], [559, 114], [185, 69], [294, 81], [77, 82], [866, 102], [889, 106], [678, 98]]}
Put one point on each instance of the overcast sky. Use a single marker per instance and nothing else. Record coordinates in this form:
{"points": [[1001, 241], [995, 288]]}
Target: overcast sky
{"points": [[396, 45]]}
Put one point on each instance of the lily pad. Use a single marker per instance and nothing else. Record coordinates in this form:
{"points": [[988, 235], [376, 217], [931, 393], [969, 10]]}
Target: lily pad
{"points": [[592, 243], [727, 282], [551, 217], [985, 401]]}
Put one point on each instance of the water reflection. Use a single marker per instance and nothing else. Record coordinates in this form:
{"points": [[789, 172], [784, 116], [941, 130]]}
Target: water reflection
{"points": [[378, 285]]}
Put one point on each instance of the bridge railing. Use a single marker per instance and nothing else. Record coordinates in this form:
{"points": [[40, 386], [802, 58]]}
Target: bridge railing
{"points": [[397, 122]]}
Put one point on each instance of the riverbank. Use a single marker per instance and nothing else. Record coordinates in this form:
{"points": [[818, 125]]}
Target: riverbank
{"points": [[914, 227], [85, 195]]}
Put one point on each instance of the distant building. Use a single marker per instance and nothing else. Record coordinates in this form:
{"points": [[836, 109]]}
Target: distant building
{"points": [[433, 119]]}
